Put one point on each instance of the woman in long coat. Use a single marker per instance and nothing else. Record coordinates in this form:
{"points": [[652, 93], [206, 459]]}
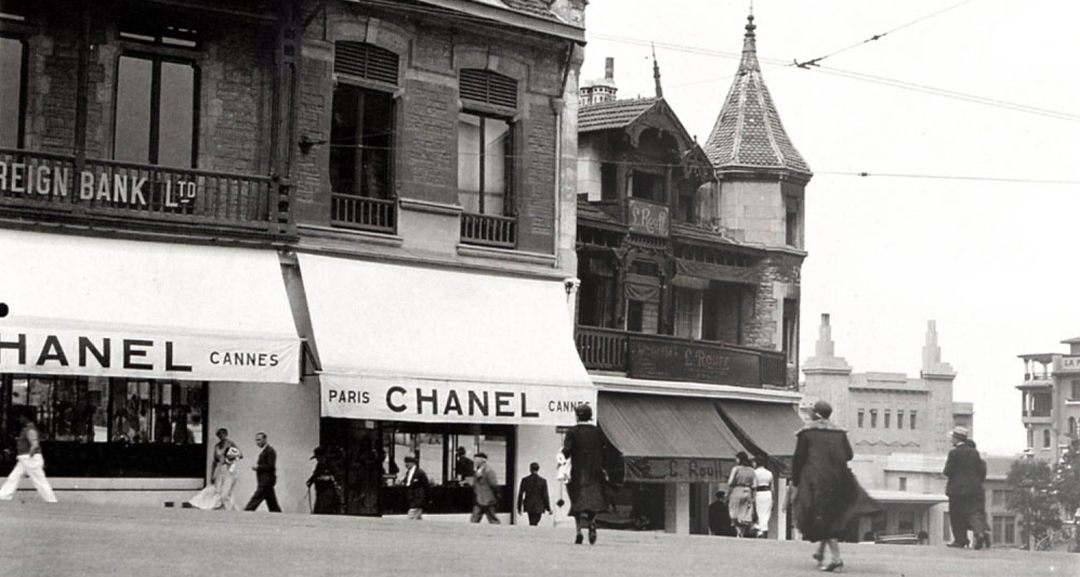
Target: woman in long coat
{"points": [[827, 495], [741, 495], [583, 445]]}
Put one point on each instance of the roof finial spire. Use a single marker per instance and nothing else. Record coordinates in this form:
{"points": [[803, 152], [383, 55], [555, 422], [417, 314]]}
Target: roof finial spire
{"points": [[749, 52], [656, 73]]}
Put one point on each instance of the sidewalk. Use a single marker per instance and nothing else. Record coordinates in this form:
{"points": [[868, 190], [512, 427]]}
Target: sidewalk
{"points": [[66, 539]]}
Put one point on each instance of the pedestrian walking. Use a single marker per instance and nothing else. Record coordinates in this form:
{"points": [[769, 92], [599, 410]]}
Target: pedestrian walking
{"points": [[741, 494], [966, 472], [583, 445], [265, 476], [28, 462], [827, 496], [327, 481], [533, 495], [763, 497], [719, 518], [219, 493], [416, 488], [485, 490]]}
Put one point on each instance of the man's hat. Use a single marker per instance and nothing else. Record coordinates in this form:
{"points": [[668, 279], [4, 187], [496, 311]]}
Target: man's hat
{"points": [[960, 433], [461, 450], [410, 459], [823, 409], [319, 452], [481, 455]]}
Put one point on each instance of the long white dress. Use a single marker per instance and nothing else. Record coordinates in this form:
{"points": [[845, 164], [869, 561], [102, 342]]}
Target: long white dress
{"points": [[763, 500], [218, 494]]}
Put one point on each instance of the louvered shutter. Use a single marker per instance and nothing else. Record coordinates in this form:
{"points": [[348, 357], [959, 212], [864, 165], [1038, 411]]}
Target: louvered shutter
{"points": [[488, 87], [366, 61]]}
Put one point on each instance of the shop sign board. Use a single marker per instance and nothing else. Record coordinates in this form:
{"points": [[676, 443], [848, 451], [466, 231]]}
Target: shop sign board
{"points": [[668, 359], [119, 187], [140, 354], [1070, 365], [383, 398], [648, 218], [676, 470]]}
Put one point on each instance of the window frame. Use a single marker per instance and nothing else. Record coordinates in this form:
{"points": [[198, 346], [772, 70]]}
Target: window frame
{"points": [[365, 86], [157, 55], [509, 154], [24, 77]]}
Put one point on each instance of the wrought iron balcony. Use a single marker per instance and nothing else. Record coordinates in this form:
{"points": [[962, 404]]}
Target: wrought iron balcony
{"points": [[47, 186], [662, 357]]}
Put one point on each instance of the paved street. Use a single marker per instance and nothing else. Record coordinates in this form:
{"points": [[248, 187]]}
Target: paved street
{"points": [[66, 539]]}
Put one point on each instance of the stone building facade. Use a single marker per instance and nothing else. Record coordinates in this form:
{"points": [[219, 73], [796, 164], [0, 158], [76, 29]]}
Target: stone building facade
{"points": [[1050, 401], [366, 211]]}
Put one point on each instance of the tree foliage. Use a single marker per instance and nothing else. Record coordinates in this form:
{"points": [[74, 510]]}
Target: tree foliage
{"points": [[1065, 484], [1032, 496]]}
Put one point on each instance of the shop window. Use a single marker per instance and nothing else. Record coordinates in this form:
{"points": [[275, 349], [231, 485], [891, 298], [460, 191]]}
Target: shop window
{"points": [[861, 414], [156, 104], [13, 59], [905, 522], [873, 418], [361, 145], [647, 186], [108, 427], [1004, 529], [1046, 438], [900, 419], [485, 153], [912, 420]]}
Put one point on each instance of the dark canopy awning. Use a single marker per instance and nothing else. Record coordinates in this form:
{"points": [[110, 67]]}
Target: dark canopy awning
{"points": [[668, 439], [764, 429]]}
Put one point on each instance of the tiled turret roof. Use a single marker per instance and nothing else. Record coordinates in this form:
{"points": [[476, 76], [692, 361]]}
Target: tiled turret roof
{"points": [[748, 133]]}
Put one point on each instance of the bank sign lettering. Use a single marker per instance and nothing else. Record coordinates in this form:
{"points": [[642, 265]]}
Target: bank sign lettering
{"points": [[101, 186], [140, 355], [423, 400]]}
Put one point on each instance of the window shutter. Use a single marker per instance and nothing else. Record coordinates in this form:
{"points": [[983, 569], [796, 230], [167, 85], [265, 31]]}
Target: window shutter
{"points": [[366, 61], [488, 87]]}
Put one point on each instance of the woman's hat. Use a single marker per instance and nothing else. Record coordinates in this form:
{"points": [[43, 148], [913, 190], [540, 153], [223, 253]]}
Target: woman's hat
{"points": [[481, 455], [320, 451]]}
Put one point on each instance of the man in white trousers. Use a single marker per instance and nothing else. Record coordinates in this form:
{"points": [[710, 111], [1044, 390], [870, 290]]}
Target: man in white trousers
{"points": [[763, 497], [29, 462]]}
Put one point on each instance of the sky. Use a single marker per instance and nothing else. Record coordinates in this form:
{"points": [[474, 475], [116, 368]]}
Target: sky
{"points": [[987, 256]]}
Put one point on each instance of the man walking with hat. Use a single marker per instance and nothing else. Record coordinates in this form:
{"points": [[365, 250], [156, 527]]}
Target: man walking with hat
{"points": [[966, 472], [416, 488], [486, 488]]}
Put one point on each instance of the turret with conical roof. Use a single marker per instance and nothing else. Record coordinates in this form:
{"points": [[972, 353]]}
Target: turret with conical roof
{"points": [[761, 176]]}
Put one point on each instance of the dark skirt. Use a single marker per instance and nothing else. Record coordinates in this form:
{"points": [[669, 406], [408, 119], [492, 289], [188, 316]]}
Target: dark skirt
{"points": [[823, 509]]}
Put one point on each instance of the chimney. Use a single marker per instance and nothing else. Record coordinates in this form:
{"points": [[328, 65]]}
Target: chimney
{"points": [[609, 68]]}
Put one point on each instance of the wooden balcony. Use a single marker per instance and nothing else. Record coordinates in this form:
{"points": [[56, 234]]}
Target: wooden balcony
{"points": [[50, 187], [488, 230], [362, 213], [662, 357]]}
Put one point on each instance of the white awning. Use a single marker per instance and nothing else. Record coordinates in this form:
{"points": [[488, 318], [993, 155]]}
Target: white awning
{"points": [[120, 308], [412, 343]]}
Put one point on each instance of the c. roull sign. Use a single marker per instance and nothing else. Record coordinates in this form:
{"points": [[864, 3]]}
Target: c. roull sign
{"points": [[139, 355], [97, 185]]}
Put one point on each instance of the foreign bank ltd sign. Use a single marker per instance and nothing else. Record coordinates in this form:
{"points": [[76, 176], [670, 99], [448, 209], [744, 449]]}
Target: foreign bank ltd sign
{"points": [[136, 354], [116, 187], [443, 401]]}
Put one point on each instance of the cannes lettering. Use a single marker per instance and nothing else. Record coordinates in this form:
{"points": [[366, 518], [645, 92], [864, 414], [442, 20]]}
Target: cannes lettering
{"points": [[471, 403], [47, 180], [132, 354]]}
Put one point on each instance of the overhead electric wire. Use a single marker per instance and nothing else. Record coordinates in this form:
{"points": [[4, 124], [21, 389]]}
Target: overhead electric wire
{"points": [[816, 61]]}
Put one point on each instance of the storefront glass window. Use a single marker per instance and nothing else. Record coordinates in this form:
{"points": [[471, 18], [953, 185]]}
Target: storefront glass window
{"points": [[102, 427]]}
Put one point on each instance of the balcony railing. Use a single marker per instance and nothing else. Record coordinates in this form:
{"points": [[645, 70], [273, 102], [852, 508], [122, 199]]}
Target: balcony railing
{"points": [[489, 230], [124, 191], [363, 213], [662, 357]]}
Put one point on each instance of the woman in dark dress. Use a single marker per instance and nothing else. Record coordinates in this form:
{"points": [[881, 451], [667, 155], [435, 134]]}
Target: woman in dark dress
{"points": [[583, 445], [827, 495], [326, 477]]}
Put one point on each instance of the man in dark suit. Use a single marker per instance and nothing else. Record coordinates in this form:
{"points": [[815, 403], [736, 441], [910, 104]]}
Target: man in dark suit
{"points": [[720, 517], [966, 472], [485, 487], [416, 488], [533, 495], [266, 477]]}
